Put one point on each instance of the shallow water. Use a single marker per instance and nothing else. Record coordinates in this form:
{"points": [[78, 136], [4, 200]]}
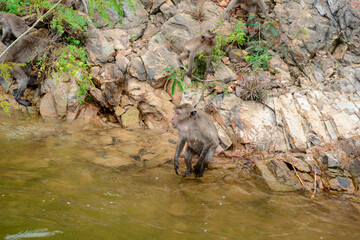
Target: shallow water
{"points": [[50, 188]]}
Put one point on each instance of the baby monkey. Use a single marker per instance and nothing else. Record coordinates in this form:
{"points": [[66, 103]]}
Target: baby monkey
{"points": [[204, 44], [200, 135]]}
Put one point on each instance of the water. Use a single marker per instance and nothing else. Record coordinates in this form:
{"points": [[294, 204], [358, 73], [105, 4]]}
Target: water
{"points": [[52, 187]]}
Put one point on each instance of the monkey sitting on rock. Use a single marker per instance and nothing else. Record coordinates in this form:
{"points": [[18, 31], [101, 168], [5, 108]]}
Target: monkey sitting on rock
{"points": [[193, 47], [199, 133]]}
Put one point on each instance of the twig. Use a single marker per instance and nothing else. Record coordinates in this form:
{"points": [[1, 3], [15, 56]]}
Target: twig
{"points": [[298, 175], [26, 32], [314, 193]]}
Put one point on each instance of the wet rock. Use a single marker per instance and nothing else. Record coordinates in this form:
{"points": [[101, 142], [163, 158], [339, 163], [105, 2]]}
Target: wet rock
{"points": [[278, 176], [47, 107], [88, 113], [130, 119], [342, 184]]}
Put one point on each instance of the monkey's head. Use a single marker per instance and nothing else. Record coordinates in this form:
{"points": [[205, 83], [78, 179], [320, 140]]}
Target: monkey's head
{"points": [[183, 114], [209, 38]]}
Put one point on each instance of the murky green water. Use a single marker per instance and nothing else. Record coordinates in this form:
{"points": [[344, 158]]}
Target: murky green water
{"points": [[50, 189]]}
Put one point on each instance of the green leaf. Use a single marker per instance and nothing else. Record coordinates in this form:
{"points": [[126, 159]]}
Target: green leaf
{"points": [[180, 86], [173, 88], [273, 30]]}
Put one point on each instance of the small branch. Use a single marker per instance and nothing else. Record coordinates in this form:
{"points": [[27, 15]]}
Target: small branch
{"points": [[314, 193], [26, 32], [302, 183]]}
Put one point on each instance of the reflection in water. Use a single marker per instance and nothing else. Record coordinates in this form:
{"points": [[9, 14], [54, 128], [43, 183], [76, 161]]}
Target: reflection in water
{"points": [[32, 234], [48, 180]]}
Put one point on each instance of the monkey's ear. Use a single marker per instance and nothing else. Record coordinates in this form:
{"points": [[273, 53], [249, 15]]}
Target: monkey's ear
{"points": [[193, 113]]}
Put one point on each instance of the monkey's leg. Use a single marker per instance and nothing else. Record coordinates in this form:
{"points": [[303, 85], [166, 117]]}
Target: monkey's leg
{"points": [[189, 153], [22, 80], [191, 63], [208, 70], [179, 148], [207, 160], [203, 155], [233, 4], [184, 55]]}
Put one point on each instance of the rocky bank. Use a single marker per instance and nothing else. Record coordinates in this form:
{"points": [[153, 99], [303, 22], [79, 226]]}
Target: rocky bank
{"points": [[308, 129]]}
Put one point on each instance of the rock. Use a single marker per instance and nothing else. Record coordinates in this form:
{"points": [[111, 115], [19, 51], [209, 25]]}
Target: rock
{"points": [[130, 119], [225, 140], [134, 23], [98, 48], [88, 113], [177, 96], [278, 176], [293, 123], [137, 69], [155, 61], [236, 55], [122, 64], [97, 95], [340, 51], [342, 184], [47, 107], [278, 64], [118, 38], [255, 123], [136, 89], [297, 163]]}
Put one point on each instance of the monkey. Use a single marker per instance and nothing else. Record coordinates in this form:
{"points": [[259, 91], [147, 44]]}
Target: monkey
{"points": [[250, 4], [27, 49], [12, 25], [203, 43], [199, 133]]}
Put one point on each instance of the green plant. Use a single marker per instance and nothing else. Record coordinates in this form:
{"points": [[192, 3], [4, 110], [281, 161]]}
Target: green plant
{"points": [[258, 54], [73, 60], [177, 76]]}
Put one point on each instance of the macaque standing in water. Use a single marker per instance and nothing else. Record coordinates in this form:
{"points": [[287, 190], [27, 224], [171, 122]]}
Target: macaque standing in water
{"points": [[200, 135]]}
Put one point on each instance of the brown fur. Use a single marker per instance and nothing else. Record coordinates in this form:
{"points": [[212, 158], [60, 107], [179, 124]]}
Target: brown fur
{"points": [[204, 44], [12, 25], [198, 131]]}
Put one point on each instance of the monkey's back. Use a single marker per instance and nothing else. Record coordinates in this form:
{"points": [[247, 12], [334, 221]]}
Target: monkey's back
{"points": [[204, 133], [26, 49], [18, 26]]}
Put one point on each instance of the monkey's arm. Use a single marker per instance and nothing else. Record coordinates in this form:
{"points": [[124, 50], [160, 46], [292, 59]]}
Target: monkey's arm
{"points": [[262, 5], [179, 148], [232, 5]]}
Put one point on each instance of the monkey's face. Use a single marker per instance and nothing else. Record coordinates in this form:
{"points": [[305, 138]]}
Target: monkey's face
{"points": [[183, 114]]}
